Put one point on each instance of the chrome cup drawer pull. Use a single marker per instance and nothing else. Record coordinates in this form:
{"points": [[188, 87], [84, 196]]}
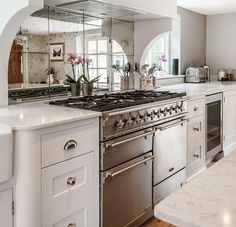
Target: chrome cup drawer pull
{"points": [[71, 225], [71, 181], [70, 145]]}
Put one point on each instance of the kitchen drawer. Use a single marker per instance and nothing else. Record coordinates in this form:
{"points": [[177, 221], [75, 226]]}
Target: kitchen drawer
{"points": [[66, 144], [196, 108], [195, 157], [168, 186], [195, 129], [68, 188]]}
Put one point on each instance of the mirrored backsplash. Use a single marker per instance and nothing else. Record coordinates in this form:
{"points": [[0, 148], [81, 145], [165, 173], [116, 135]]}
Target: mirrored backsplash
{"points": [[39, 55]]}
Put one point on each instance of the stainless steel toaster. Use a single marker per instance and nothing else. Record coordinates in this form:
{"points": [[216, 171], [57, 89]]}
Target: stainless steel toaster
{"points": [[196, 75]]}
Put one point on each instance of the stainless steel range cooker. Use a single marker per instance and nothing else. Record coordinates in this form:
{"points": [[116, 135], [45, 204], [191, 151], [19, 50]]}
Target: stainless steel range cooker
{"points": [[142, 147]]}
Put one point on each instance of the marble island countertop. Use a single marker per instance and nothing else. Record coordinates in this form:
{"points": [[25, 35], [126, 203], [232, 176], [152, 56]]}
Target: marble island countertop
{"points": [[196, 90], [209, 200], [37, 115]]}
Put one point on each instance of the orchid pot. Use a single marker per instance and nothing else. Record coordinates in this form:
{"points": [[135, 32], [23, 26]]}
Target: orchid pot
{"points": [[87, 89], [75, 89]]}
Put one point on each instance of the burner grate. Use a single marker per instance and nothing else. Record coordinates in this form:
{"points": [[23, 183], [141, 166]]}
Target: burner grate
{"points": [[113, 101]]}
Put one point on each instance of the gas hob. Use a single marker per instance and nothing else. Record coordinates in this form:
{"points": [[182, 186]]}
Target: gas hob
{"points": [[126, 112], [110, 102]]}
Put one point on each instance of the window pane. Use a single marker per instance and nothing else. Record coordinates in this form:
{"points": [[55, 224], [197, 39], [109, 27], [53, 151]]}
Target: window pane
{"points": [[93, 64], [92, 47], [102, 61], [117, 77], [102, 46], [118, 60], [103, 73], [92, 73]]}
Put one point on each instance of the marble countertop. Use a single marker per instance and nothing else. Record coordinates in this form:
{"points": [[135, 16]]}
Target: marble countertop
{"points": [[196, 90], [208, 200], [37, 115], [30, 116]]}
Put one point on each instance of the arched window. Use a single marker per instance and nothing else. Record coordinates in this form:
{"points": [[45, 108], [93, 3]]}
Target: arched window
{"points": [[159, 47]]}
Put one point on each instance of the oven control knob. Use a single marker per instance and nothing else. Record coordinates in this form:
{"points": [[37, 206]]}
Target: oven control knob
{"points": [[152, 115], [129, 121], [120, 124], [157, 113], [138, 120]]}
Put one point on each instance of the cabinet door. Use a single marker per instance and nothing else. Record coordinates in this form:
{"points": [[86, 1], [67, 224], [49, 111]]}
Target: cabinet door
{"points": [[68, 192], [196, 148], [6, 218], [229, 116]]}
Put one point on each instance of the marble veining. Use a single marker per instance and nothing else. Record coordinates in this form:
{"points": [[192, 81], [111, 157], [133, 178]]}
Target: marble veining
{"points": [[209, 200], [36, 115]]}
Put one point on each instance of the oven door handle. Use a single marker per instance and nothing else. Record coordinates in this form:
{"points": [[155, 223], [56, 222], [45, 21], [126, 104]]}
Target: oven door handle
{"points": [[110, 174], [162, 128], [111, 145]]}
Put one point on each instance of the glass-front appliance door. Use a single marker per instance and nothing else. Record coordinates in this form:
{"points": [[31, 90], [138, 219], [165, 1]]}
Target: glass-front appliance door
{"points": [[213, 124]]}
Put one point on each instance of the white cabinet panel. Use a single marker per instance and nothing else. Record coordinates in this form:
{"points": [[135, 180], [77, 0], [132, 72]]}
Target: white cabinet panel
{"points": [[229, 118], [68, 143], [196, 137], [68, 193], [6, 218]]}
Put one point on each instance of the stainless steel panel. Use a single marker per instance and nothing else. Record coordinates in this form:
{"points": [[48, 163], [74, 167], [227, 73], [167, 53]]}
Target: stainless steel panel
{"points": [[170, 150], [120, 150], [168, 186], [128, 195]]}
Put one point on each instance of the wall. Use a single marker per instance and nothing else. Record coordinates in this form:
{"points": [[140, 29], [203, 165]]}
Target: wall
{"points": [[193, 39], [221, 38], [146, 31], [12, 14]]}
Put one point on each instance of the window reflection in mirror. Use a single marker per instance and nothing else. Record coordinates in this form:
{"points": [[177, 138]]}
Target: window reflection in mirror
{"points": [[46, 39], [164, 51]]}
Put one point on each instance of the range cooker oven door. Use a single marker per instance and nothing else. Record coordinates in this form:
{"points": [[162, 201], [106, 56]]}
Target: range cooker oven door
{"points": [[127, 192], [117, 151], [170, 153]]}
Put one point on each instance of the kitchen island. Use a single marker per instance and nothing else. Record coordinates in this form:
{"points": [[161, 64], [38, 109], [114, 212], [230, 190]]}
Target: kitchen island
{"points": [[207, 201]]}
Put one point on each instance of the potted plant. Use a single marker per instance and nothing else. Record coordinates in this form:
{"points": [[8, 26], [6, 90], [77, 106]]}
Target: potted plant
{"points": [[124, 73], [87, 85], [74, 83]]}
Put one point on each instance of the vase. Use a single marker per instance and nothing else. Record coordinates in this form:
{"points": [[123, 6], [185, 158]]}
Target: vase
{"points": [[124, 83], [87, 89], [50, 79], [75, 89]]}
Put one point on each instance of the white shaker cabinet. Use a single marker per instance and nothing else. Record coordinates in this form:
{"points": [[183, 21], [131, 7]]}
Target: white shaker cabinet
{"points": [[229, 121], [6, 216], [58, 175], [196, 137]]}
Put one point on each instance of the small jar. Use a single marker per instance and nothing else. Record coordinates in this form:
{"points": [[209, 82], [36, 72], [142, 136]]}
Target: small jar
{"points": [[221, 74]]}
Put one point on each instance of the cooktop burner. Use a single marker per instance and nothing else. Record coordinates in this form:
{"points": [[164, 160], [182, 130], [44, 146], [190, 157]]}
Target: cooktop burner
{"points": [[113, 101]]}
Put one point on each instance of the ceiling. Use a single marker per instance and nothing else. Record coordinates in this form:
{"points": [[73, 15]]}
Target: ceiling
{"points": [[209, 7]]}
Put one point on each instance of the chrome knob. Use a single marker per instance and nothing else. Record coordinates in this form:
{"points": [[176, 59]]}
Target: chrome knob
{"points": [[196, 156], [129, 121], [71, 181], [120, 124]]}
